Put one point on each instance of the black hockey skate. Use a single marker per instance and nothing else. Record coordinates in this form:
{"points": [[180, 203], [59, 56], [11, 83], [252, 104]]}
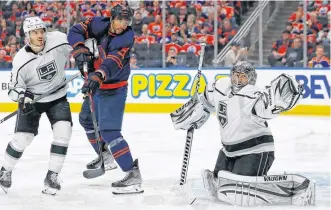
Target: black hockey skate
{"points": [[108, 161], [52, 183], [131, 183], [5, 179]]}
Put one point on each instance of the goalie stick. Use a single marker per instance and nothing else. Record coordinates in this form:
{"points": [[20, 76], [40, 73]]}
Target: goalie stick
{"points": [[65, 82], [187, 193], [93, 173]]}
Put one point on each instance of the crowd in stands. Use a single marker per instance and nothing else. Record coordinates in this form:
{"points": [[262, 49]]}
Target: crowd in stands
{"points": [[187, 24], [288, 51]]}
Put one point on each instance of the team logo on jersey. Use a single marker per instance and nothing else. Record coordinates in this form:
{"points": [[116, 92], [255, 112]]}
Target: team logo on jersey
{"points": [[222, 114], [47, 72]]}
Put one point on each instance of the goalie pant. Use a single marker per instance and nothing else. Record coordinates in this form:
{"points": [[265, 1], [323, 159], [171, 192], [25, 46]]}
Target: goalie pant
{"points": [[110, 99]]}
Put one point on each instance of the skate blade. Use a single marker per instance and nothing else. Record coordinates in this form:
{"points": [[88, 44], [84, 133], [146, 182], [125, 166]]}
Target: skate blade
{"points": [[49, 191], [5, 189], [133, 189], [109, 167]]}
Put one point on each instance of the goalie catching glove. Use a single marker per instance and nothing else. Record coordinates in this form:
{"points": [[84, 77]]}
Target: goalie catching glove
{"points": [[283, 93], [194, 113]]}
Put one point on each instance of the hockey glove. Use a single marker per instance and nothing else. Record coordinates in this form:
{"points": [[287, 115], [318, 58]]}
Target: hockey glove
{"points": [[93, 83], [24, 103], [82, 54]]}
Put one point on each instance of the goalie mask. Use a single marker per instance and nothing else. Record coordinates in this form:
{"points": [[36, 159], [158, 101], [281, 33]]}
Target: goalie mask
{"points": [[35, 38], [242, 73]]}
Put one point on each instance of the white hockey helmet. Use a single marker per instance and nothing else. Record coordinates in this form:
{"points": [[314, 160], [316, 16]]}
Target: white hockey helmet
{"points": [[30, 24]]}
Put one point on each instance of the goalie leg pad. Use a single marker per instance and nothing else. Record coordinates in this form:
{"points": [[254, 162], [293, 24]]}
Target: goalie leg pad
{"points": [[286, 189], [16, 148], [62, 133]]}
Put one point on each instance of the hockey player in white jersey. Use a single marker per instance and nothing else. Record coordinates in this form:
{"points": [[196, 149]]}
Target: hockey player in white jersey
{"points": [[39, 67], [242, 110]]}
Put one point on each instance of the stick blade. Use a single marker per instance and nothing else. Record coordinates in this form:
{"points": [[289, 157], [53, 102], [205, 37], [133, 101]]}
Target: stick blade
{"points": [[186, 192], [93, 173]]}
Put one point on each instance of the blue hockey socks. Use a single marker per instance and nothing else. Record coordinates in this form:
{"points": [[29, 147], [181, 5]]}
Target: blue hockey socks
{"points": [[119, 148]]}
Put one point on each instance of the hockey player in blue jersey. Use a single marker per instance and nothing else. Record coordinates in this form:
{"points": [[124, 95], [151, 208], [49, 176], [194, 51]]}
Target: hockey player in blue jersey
{"points": [[107, 80]]}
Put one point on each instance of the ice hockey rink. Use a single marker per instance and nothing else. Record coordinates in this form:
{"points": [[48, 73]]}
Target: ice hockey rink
{"points": [[302, 146]]}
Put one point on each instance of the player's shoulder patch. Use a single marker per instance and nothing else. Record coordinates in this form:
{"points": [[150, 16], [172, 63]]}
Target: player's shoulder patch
{"points": [[222, 85]]}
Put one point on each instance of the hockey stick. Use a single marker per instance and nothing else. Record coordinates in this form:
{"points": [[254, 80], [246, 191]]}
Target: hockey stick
{"points": [[93, 173], [187, 193], [43, 96]]}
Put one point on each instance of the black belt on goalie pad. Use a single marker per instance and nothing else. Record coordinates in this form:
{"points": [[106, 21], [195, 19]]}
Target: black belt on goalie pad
{"points": [[249, 143]]}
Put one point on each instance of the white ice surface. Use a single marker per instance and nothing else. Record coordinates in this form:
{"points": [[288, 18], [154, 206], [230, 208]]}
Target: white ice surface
{"points": [[302, 146]]}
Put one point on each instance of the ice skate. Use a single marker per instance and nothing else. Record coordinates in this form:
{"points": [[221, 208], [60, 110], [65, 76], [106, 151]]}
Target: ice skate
{"points": [[131, 183], [5, 179], [52, 183], [108, 160], [209, 182]]}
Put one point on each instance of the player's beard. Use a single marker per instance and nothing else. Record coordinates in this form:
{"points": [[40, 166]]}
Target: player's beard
{"points": [[119, 30]]}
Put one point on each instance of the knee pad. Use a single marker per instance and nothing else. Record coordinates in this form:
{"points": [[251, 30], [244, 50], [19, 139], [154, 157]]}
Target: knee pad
{"points": [[62, 133], [21, 140]]}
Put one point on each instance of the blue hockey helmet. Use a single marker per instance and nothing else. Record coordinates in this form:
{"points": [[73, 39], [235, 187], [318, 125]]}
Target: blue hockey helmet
{"points": [[122, 12]]}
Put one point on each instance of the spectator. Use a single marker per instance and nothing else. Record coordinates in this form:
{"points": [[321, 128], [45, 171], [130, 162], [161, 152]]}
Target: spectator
{"points": [[182, 14], [15, 12], [156, 26], [294, 56], [88, 11], [98, 13], [13, 50], [174, 39], [320, 60], [324, 37], [145, 36], [192, 45], [173, 23], [133, 61], [3, 63], [172, 57], [235, 54], [137, 23], [5, 29], [142, 9], [279, 48], [226, 33], [26, 12]]}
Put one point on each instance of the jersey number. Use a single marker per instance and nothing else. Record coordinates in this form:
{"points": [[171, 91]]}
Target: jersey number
{"points": [[222, 114]]}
